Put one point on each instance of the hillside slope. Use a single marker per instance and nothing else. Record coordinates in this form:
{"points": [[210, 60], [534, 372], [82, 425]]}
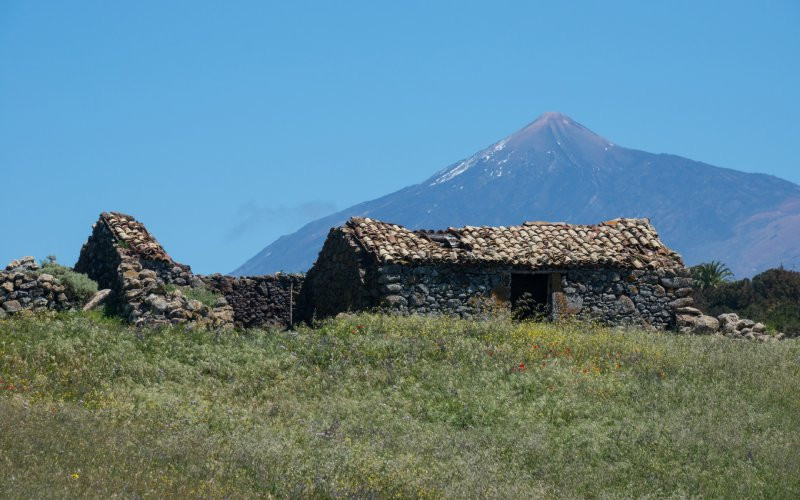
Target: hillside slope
{"points": [[558, 170], [381, 406]]}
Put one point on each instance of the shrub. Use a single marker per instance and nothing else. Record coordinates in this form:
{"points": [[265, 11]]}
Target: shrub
{"points": [[79, 285]]}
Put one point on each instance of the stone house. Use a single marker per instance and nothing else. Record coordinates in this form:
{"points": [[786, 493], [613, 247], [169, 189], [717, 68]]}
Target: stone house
{"points": [[618, 271]]}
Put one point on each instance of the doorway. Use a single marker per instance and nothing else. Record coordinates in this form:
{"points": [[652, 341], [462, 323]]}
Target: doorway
{"points": [[530, 296]]}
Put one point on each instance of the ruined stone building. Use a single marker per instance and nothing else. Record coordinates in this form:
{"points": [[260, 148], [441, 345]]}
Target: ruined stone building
{"points": [[618, 272], [150, 288]]}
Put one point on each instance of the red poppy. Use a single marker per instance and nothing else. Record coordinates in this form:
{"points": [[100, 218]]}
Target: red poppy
{"points": [[522, 367]]}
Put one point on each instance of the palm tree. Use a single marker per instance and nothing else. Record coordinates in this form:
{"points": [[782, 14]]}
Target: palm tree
{"points": [[711, 274]]}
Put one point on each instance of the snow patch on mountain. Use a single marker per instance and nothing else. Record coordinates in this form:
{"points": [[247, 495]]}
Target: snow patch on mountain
{"points": [[485, 155]]}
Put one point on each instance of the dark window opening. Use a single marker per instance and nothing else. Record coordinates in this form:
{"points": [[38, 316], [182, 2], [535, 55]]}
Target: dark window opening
{"points": [[530, 296]]}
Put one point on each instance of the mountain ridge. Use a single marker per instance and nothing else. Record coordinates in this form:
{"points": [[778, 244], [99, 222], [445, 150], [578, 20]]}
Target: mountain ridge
{"points": [[554, 168]]}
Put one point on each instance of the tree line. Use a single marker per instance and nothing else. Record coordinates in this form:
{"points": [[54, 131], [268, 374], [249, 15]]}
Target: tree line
{"points": [[771, 297]]}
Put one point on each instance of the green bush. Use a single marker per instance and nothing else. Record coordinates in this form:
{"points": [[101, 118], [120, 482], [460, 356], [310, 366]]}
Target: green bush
{"points": [[79, 285]]}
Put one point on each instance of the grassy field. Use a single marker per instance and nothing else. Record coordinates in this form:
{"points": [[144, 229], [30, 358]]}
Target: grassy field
{"points": [[385, 406]]}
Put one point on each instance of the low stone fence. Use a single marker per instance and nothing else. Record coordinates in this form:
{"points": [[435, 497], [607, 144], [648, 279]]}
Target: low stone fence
{"points": [[691, 320], [23, 288], [259, 300]]}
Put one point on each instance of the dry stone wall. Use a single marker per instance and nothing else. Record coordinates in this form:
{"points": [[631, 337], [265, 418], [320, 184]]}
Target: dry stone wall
{"points": [[617, 297], [444, 289], [259, 300], [691, 320], [148, 288], [23, 288], [624, 297]]}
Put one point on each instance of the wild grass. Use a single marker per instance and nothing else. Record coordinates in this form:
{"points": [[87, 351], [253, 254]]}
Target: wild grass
{"points": [[198, 292], [385, 406]]}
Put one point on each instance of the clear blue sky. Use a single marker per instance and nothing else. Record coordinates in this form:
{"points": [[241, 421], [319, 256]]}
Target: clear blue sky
{"points": [[222, 125]]}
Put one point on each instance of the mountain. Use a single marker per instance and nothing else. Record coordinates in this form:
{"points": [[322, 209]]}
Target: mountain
{"points": [[555, 169]]}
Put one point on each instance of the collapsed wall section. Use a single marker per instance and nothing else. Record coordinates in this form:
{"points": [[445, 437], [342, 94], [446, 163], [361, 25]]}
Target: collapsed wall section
{"points": [[121, 255], [150, 288]]}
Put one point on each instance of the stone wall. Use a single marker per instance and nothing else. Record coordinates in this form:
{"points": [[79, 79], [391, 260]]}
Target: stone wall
{"points": [[641, 297], [465, 291], [100, 258], [260, 300], [23, 288], [147, 300], [616, 297]]}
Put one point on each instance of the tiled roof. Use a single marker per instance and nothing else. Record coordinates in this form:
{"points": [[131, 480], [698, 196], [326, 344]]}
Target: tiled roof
{"points": [[135, 235], [625, 243]]}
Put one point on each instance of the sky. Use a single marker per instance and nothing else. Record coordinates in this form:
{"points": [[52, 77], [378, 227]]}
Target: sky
{"points": [[224, 125]]}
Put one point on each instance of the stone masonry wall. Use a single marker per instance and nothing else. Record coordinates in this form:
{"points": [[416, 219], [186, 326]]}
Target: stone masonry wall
{"points": [[457, 290], [616, 297], [122, 255], [260, 300], [100, 258], [22, 288], [624, 296]]}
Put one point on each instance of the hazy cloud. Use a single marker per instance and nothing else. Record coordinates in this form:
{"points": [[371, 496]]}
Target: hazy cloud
{"points": [[252, 217]]}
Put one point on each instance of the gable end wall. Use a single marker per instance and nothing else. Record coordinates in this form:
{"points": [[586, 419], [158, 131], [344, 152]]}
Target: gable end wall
{"points": [[342, 279]]}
